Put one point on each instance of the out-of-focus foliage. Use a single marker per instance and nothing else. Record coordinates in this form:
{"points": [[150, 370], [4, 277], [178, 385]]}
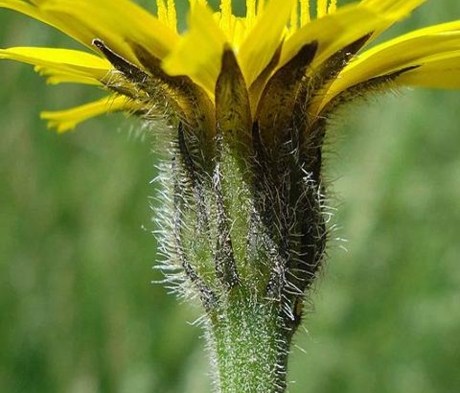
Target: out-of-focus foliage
{"points": [[78, 312]]}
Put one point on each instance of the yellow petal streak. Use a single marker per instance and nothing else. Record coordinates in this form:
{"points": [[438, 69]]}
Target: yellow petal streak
{"points": [[304, 12], [199, 52], [167, 13], [434, 49], [226, 16], [439, 71], [72, 63], [294, 22], [172, 15], [321, 8], [260, 6], [250, 12], [117, 23], [333, 32], [162, 12], [55, 76], [259, 46], [332, 6], [398, 6], [395, 9], [68, 119]]}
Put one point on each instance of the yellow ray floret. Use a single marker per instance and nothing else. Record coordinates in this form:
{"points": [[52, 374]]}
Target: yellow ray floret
{"points": [[68, 119], [172, 15], [68, 62], [198, 55], [332, 32], [118, 23], [304, 12], [226, 14], [395, 9], [421, 48], [250, 12], [55, 76], [338, 30], [264, 39], [401, 7], [115, 22], [332, 6], [167, 13], [438, 71], [321, 8]]}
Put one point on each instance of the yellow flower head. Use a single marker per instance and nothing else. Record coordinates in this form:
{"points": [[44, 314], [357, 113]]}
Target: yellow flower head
{"points": [[281, 53]]}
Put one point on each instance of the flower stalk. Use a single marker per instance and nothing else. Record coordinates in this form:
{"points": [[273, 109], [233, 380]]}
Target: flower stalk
{"points": [[249, 344]]}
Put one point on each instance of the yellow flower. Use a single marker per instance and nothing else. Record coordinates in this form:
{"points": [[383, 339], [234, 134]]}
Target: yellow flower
{"points": [[151, 69]]}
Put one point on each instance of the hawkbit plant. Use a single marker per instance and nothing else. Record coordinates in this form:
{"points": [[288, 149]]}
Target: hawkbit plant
{"points": [[244, 104]]}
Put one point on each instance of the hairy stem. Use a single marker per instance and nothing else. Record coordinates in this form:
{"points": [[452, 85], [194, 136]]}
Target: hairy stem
{"points": [[249, 345]]}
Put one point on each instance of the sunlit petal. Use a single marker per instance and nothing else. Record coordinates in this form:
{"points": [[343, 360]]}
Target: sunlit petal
{"points": [[71, 62], [199, 52], [411, 49], [116, 22], [438, 71], [333, 32], [68, 119], [264, 39]]}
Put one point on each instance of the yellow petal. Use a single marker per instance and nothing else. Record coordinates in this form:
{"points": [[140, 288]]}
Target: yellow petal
{"points": [[439, 71], [73, 63], [56, 76], [394, 9], [68, 119], [264, 39], [321, 8], [116, 22], [334, 32], [304, 12], [399, 7], [332, 7], [199, 52], [166, 13], [408, 50]]}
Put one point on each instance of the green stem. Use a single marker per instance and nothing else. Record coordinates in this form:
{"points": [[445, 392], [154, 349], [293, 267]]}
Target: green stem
{"points": [[249, 345]]}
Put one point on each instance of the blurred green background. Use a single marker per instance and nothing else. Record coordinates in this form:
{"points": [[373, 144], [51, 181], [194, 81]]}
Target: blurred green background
{"points": [[78, 312]]}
